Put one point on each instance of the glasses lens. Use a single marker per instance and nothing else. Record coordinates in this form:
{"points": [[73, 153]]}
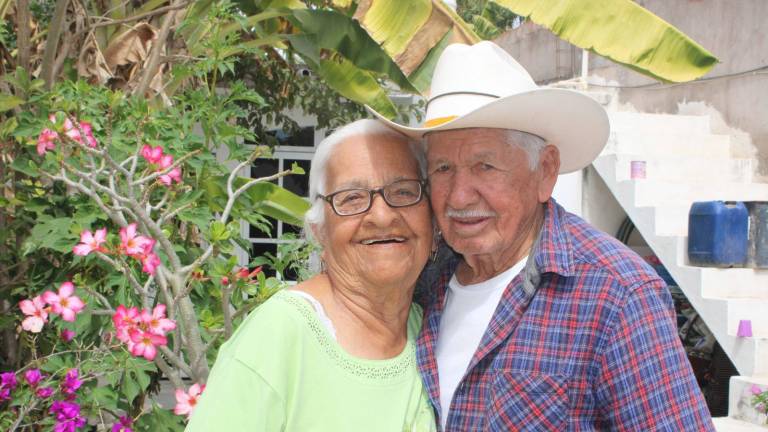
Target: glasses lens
{"points": [[351, 201], [403, 193]]}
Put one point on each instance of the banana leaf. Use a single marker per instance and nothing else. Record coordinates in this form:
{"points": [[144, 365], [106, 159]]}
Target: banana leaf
{"points": [[348, 39], [409, 30], [276, 202], [622, 31]]}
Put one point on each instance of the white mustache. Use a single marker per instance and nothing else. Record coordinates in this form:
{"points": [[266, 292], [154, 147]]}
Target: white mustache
{"points": [[469, 213]]}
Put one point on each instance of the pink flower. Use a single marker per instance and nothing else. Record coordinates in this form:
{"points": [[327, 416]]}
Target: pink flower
{"points": [[33, 377], [37, 314], [67, 335], [145, 343], [90, 141], [755, 389], [186, 401], [149, 263], [171, 176], [125, 319], [45, 141], [64, 303], [156, 322], [152, 154], [165, 161], [132, 244], [90, 242]]}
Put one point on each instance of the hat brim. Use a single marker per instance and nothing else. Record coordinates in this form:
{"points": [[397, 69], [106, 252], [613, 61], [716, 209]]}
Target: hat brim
{"points": [[573, 122]]}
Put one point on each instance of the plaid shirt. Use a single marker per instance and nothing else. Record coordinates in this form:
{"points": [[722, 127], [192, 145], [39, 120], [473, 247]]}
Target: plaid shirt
{"points": [[583, 339]]}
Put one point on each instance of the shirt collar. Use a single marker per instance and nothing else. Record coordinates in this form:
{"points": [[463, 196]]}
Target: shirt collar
{"points": [[553, 249]]}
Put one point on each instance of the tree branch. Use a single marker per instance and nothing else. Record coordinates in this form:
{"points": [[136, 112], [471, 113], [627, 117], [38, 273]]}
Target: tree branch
{"points": [[52, 42]]}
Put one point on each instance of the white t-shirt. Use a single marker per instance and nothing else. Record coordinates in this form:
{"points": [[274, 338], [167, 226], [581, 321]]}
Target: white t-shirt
{"points": [[467, 313]]}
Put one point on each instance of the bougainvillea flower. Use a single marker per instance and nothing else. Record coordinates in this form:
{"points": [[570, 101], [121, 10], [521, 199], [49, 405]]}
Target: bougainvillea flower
{"points": [[156, 322], [33, 377], [71, 383], [132, 244], [67, 335], [44, 392], [45, 141], [755, 389], [8, 383], [186, 401], [152, 154], [90, 242], [37, 314], [68, 418], [145, 343], [123, 425], [64, 303]]}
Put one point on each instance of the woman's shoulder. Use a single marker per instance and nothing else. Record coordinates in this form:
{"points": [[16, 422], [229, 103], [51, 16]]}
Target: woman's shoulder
{"points": [[272, 327]]}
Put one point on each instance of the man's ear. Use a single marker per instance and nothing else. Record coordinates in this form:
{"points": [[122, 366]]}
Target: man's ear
{"points": [[549, 168]]}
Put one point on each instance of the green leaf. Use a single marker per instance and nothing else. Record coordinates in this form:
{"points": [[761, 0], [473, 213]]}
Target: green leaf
{"points": [[422, 76], [622, 31], [159, 420], [25, 166], [52, 234], [218, 231], [104, 397], [136, 377], [8, 102], [296, 169], [348, 39], [200, 216], [274, 201], [356, 84]]}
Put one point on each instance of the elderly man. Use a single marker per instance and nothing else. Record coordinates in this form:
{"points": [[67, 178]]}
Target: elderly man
{"points": [[539, 322]]}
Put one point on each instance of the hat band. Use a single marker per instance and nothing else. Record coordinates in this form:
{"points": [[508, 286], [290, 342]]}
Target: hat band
{"points": [[460, 93]]}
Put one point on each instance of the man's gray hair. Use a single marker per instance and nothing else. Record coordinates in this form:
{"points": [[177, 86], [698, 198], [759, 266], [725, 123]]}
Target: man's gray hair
{"points": [[324, 151], [532, 144]]}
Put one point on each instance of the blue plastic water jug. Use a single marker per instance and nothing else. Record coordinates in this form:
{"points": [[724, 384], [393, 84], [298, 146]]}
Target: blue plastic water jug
{"points": [[718, 233]]}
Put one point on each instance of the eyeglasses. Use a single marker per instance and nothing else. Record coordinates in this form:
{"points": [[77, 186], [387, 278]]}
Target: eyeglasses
{"points": [[400, 193]]}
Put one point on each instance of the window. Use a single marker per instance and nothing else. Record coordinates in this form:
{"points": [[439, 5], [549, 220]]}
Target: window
{"points": [[297, 149]]}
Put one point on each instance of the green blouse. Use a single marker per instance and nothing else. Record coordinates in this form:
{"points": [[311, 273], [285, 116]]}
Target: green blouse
{"points": [[283, 371]]}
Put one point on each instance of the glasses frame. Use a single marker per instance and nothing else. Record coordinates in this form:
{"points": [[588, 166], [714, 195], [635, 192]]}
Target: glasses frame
{"points": [[423, 184]]}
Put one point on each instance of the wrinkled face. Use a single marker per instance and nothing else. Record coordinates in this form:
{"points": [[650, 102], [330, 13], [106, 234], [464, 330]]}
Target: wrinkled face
{"points": [[483, 192], [383, 245]]}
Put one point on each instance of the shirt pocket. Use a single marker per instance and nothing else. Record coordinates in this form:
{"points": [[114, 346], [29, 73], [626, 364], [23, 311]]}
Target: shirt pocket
{"points": [[522, 401]]}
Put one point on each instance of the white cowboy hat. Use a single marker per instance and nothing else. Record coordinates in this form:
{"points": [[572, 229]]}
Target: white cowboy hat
{"points": [[482, 86]]}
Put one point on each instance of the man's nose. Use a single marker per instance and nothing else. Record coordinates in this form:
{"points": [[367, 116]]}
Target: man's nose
{"points": [[462, 191]]}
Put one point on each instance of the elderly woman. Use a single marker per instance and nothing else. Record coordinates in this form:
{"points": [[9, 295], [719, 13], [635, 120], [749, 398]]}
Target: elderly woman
{"points": [[337, 352]]}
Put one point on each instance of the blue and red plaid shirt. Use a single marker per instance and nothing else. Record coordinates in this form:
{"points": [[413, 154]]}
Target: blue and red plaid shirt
{"points": [[583, 339]]}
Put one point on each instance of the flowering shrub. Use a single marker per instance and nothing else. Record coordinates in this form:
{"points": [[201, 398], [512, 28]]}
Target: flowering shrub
{"points": [[140, 245]]}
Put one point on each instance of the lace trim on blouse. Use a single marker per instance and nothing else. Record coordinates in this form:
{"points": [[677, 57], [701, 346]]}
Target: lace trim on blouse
{"points": [[396, 367]]}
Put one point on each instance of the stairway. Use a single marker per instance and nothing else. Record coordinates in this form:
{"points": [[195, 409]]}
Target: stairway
{"points": [[686, 162]]}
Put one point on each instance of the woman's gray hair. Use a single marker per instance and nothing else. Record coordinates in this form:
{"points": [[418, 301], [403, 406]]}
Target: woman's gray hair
{"points": [[324, 151]]}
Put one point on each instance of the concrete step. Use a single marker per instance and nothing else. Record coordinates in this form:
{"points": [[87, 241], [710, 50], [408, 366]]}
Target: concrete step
{"points": [[742, 283], [658, 193], [689, 169], [740, 395], [727, 424]]}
